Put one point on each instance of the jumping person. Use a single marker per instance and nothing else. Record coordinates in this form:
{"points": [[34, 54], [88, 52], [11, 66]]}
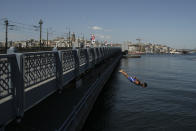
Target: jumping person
{"points": [[133, 79]]}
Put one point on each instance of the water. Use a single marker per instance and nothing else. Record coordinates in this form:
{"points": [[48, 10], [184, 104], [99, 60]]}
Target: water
{"points": [[167, 104]]}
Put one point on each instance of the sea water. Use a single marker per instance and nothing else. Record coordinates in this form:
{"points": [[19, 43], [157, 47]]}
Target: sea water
{"points": [[167, 104]]}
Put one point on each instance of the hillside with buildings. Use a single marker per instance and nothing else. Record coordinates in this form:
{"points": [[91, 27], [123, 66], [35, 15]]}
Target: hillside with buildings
{"points": [[148, 48]]}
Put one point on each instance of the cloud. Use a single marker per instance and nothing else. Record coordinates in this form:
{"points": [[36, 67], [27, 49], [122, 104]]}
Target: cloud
{"points": [[96, 28]]}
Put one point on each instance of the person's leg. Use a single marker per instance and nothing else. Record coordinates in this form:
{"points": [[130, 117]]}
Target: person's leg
{"points": [[124, 73]]}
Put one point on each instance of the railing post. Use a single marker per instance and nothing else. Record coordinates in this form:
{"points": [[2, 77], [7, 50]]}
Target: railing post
{"points": [[21, 89], [93, 56], [76, 71], [87, 58], [59, 70], [92, 53], [18, 80], [97, 55]]}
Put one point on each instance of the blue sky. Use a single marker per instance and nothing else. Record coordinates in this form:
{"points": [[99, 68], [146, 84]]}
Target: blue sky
{"points": [[169, 22]]}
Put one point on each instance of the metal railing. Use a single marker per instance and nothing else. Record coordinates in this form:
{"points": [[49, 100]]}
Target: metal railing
{"points": [[28, 78], [5, 77], [89, 95], [38, 67], [67, 61], [9, 86]]}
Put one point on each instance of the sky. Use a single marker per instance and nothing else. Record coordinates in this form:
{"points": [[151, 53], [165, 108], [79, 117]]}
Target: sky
{"points": [[166, 22]]}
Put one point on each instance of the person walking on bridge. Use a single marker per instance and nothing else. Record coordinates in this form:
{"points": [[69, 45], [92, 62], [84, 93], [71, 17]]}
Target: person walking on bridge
{"points": [[133, 79]]}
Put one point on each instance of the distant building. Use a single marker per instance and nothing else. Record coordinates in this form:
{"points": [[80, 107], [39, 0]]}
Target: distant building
{"points": [[133, 48], [73, 37], [164, 49], [2, 44], [60, 42], [116, 45], [149, 49]]}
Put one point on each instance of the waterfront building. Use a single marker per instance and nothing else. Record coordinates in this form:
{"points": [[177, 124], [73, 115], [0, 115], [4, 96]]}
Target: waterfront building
{"points": [[148, 49], [2, 44], [133, 48]]}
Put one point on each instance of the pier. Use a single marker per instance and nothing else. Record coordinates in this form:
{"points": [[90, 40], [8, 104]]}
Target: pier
{"points": [[52, 90]]}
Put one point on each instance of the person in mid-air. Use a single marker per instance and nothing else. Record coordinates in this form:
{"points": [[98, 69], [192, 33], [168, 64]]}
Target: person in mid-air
{"points": [[133, 79]]}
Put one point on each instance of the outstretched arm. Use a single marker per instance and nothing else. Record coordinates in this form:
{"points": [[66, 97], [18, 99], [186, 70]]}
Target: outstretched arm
{"points": [[124, 73]]}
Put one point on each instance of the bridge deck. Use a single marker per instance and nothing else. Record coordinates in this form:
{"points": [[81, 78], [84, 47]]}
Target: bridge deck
{"points": [[52, 112]]}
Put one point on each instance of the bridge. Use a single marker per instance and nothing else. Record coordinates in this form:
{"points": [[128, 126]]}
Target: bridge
{"points": [[52, 90]]}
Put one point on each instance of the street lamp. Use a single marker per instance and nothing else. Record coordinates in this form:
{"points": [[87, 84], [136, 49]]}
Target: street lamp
{"points": [[40, 41]]}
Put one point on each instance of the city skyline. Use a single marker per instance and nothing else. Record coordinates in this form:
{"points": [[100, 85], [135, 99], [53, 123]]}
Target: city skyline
{"points": [[171, 23]]}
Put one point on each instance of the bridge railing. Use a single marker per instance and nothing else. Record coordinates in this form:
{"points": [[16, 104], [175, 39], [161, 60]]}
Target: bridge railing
{"points": [[40, 74], [98, 55], [69, 65], [91, 55], [9, 81], [83, 60], [28, 78]]}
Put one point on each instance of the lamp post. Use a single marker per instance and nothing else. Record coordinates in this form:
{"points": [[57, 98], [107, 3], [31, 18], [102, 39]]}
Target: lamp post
{"points": [[6, 30], [40, 41]]}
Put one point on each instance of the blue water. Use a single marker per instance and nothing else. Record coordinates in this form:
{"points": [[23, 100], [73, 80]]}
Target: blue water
{"points": [[167, 104]]}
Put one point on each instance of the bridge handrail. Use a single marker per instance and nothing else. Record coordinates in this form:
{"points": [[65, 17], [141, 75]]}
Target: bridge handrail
{"points": [[67, 60], [9, 83], [38, 67], [6, 88], [31, 77]]}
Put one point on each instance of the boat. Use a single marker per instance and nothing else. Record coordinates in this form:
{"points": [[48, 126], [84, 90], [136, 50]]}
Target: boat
{"points": [[133, 56]]}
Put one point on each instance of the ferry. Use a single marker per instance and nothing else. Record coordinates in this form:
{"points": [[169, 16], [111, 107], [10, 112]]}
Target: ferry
{"points": [[133, 55]]}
